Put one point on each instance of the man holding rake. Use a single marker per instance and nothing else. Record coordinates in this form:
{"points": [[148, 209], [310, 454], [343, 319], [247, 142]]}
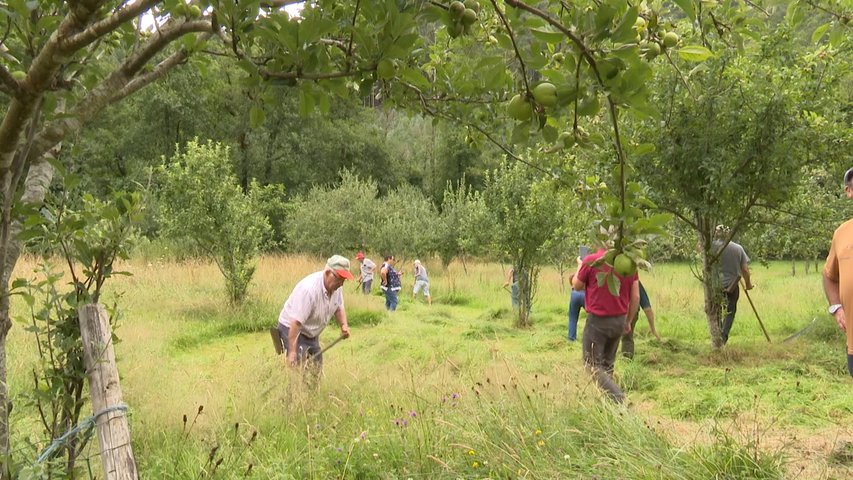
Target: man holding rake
{"points": [[306, 313]]}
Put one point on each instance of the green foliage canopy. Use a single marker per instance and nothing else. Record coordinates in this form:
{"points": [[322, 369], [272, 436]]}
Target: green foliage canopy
{"points": [[200, 200]]}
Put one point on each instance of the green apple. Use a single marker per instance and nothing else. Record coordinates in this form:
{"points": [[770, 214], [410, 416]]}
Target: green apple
{"points": [[545, 94], [624, 265], [455, 29], [670, 39], [386, 69], [566, 139], [519, 108], [469, 16], [651, 50], [473, 5], [456, 8]]}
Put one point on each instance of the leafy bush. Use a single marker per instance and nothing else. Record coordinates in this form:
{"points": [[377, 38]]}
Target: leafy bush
{"points": [[326, 220], [202, 201]]}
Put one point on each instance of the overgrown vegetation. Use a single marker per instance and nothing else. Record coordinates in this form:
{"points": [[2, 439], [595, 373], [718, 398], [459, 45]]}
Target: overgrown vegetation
{"points": [[88, 239], [696, 411]]}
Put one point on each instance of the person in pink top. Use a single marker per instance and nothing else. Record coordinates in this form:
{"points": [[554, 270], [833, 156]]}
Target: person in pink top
{"points": [[607, 319]]}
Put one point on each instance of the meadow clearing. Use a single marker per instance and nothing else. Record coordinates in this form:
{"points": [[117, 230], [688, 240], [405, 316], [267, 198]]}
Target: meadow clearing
{"points": [[452, 390]]}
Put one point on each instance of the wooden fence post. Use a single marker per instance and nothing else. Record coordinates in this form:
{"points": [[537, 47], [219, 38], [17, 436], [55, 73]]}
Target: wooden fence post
{"points": [[100, 361]]}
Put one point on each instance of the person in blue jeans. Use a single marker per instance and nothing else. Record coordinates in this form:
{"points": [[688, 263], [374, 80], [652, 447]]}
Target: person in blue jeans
{"points": [[390, 283], [577, 301], [512, 280]]}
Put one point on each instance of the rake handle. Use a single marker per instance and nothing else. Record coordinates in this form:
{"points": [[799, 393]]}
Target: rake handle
{"points": [[760, 323]]}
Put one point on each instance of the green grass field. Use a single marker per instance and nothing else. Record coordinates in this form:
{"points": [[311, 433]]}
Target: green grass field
{"points": [[454, 391]]}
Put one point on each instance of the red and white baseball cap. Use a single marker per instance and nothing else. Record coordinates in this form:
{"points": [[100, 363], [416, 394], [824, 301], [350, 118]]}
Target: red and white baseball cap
{"points": [[340, 265]]}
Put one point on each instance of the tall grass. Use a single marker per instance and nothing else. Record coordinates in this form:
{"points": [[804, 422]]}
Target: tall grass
{"points": [[181, 347], [502, 427]]}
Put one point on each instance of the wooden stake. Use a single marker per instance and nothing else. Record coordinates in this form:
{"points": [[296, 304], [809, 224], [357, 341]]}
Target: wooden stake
{"points": [[105, 391]]}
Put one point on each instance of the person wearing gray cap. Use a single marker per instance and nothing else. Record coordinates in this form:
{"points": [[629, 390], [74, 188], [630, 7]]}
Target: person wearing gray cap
{"points": [[734, 264], [838, 275], [309, 308]]}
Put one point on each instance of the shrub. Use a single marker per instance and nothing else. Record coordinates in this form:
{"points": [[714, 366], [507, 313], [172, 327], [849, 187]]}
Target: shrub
{"points": [[202, 201]]}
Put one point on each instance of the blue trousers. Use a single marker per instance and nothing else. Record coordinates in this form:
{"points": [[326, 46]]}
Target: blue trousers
{"points": [[576, 301], [391, 299]]}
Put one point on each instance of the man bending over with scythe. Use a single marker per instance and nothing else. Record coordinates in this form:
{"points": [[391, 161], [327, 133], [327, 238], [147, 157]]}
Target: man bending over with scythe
{"points": [[308, 310]]}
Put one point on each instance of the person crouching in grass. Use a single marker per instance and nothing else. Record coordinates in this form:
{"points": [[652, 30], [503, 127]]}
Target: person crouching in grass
{"points": [[309, 308]]}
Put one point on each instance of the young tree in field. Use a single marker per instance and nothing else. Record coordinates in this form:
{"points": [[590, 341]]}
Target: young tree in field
{"points": [[404, 224], [520, 218], [453, 226], [562, 248], [201, 201], [89, 235], [747, 159], [801, 229], [335, 219]]}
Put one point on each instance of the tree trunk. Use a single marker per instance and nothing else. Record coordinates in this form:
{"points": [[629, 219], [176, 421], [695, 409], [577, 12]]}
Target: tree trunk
{"points": [[38, 180], [793, 267], [5, 404], [526, 278], [713, 301], [561, 268]]}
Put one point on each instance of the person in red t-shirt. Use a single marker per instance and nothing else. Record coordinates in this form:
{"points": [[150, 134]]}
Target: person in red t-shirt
{"points": [[606, 320]]}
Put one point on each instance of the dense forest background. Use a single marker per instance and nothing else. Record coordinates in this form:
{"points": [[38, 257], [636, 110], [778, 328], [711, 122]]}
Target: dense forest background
{"points": [[362, 141]]}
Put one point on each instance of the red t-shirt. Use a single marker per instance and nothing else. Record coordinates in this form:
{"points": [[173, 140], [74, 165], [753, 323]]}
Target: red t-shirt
{"points": [[599, 301]]}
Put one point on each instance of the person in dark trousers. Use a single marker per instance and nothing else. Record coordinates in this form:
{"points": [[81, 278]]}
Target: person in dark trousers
{"points": [[309, 308], [607, 319], [734, 264], [838, 275], [391, 284], [628, 338]]}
